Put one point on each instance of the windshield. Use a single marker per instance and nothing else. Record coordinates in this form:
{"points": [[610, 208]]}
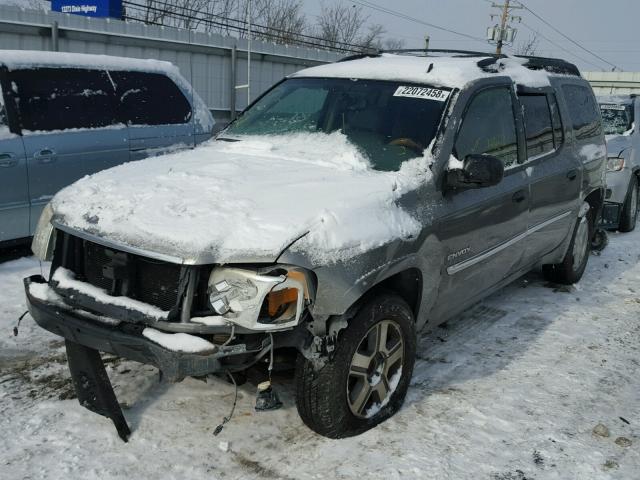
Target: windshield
{"points": [[389, 122], [617, 119]]}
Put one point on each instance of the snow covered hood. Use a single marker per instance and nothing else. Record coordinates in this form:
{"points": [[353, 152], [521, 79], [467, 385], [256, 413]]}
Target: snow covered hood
{"points": [[246, 201], [453, 72]]}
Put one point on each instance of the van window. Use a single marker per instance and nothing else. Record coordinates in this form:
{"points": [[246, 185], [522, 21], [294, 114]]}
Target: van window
{"points": [[585, 115], [537, 125], [4, 119], [150, 99], [51, 99], [489, 128]]}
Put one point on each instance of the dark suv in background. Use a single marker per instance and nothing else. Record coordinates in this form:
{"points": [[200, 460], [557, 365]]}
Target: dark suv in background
{"points": [[350, 206]]}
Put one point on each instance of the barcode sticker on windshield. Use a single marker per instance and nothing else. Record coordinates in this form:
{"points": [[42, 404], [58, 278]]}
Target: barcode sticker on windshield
{"points": [[611, 107], [422, 92]]}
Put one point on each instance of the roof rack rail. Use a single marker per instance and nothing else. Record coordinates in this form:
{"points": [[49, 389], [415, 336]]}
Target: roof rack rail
{"points": [[468, 53], [551, 65]]}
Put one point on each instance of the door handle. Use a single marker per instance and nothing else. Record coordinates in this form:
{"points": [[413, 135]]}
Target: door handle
{"points": [[7, 160], [46, 155], [572, 174], [519, 196]]}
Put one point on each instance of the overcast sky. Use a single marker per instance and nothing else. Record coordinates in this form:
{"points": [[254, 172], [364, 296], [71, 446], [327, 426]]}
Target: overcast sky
{"points": [[608, 28]]}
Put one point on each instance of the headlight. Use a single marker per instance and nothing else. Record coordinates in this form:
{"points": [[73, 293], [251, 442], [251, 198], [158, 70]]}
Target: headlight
{"points": [[615, 164], [44, 240], [259, 301]]}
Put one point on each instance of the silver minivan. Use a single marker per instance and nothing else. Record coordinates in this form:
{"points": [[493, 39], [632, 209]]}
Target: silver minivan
{"points": [[67, 115]]}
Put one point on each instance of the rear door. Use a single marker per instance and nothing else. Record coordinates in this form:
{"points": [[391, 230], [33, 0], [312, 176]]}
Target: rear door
{"points": [[554, 173], [158, 113], [69, 128], [482, 236], [14, 195]]}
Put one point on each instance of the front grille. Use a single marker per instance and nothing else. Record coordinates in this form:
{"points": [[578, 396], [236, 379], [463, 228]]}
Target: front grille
{"points": [[123, 274]]}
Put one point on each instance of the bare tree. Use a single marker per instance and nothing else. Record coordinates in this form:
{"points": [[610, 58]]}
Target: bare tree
{"points": [[528, 47], [343, 27]]}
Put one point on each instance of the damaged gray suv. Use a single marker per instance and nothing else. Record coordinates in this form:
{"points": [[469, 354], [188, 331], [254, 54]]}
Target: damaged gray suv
{"points": [[349, 207]]}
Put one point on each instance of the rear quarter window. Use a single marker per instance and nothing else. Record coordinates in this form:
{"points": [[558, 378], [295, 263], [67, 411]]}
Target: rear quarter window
{"points": [[585, 114], [150, 99]]}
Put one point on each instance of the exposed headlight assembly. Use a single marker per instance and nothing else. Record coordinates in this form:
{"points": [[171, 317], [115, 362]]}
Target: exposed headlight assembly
{"points": [[43, 242], [259, 301], [615, 164]]}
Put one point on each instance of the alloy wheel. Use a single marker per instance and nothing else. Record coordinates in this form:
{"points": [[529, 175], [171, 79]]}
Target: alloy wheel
{"points": [[375, 369]]}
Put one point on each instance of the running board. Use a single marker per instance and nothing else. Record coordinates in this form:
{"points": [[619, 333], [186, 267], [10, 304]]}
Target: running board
{"points": [[93, 387]]}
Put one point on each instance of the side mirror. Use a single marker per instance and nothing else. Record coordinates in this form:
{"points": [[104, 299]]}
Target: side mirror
{"points": [[477, 171]]}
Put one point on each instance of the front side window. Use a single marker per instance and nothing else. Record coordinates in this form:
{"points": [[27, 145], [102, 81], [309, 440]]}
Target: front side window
{"points": [[50, 99], [150, 99], [489, 128], [390, 122], [617, 119], [584, 113], [537, 125]]}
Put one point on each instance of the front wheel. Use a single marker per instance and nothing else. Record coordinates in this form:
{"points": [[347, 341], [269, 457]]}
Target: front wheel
{"points": [[367, 379], [629, 214], [570, 270]]}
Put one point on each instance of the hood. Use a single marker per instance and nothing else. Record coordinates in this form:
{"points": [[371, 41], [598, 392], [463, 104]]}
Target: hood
{"points": [[245, 201], [616, 144]]}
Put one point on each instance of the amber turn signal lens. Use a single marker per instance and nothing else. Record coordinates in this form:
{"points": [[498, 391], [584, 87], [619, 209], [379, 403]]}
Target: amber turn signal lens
{"points": [[277, 299]]}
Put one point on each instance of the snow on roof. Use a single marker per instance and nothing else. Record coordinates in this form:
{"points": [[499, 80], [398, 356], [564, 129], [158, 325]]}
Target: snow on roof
{"points": [[453, 72], [29, 58]]}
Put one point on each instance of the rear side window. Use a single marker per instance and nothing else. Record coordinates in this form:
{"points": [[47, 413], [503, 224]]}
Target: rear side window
{"points": [[558, 133], [584, 112], [51, 99], [537, 124], [489, 127], [150, 99]]}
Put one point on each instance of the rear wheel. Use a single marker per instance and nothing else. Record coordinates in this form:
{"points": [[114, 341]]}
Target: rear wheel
{"points": [[367, 379], [629, 214], [572, 267]]}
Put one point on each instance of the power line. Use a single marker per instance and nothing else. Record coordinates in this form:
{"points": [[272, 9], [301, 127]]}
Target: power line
{"points": [[403, 16], [187, 14], [567, 37], [560, 46]]}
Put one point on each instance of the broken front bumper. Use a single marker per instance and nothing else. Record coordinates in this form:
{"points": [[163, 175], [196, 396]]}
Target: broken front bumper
{"points": [[125, 339]]}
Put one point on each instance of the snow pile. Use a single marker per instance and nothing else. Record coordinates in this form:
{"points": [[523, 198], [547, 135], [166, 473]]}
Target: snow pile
{"points": [[247, 200], [453, 72], [178, 342], [66, 280]]}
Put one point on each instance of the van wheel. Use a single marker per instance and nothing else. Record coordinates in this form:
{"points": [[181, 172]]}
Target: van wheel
{"points": [[572, 267], [630, 208], [367, 379]]}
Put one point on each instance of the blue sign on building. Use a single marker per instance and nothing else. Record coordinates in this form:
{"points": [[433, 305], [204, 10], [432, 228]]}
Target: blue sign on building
{"points": [[89, 8]]}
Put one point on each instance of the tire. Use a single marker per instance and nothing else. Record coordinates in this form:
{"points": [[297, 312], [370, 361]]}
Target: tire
{"points": [[327, 399], [570, 270], [629, 214]]}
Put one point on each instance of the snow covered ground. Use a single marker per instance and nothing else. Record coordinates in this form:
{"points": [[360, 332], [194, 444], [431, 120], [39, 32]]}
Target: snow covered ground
{"points": [[511, 390]]}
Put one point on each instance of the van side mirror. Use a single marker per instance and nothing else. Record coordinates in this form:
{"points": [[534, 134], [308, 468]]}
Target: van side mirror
{"points": [[477, 171]]}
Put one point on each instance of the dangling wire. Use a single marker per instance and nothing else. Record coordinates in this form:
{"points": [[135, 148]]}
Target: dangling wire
{"points": [[15, 329], [271, 356], [225, 420]]}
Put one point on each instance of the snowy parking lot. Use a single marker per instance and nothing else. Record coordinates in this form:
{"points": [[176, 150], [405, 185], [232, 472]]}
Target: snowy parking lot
{"points": [[538, 381]]}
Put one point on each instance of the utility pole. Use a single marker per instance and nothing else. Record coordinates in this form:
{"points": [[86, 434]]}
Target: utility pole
{"points": [[503, 33]]}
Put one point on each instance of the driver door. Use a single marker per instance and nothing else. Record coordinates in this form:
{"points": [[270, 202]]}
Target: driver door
{"points": [[483, 233]]}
